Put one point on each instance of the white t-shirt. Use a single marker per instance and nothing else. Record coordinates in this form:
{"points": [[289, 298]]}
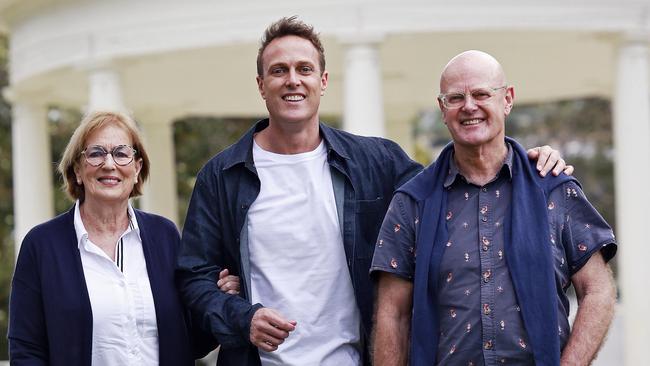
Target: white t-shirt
{"points": [[298, 263], [125, 331]]}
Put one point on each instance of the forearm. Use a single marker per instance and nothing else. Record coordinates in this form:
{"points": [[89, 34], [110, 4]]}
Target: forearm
{"points": [[227, 317], [594, 316], [391, 342], [392, 321]]}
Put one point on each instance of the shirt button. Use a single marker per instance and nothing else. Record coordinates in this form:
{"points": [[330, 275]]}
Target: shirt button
{"points": [[486, 309], [484, 189], [484, 219], [486, 275], [488, 345], [485, 248]]}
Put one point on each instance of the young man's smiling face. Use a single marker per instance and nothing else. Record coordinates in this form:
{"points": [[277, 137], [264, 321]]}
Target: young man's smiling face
{"points": [[292, 82]]}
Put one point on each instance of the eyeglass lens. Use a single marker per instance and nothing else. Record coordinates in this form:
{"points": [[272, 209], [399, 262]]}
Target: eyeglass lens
{"points": [[122, 155]]}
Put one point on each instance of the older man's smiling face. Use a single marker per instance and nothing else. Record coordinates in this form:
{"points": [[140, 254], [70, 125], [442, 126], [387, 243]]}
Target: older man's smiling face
{"points": [[475, 125]]}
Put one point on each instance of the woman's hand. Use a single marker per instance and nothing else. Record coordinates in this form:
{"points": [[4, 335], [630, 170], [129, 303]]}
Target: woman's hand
{"points": [[228, 283]]}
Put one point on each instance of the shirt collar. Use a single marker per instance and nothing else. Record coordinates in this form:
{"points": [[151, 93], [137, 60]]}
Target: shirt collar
{"points": [[242, 152], [82, 233], [454, 173]]}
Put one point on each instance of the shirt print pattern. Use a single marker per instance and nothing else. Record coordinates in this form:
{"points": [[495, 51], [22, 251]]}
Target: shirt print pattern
{"points": [[480, 320]]}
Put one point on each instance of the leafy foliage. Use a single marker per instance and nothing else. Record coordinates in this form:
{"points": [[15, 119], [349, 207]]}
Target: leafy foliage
{"points": [[582, 131], [197, 139], [62, 124]]}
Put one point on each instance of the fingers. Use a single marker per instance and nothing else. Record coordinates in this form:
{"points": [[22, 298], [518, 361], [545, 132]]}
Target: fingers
{"points": [[559, 167], [544, 164], [568, 170], [228, 283], [548, 160], [269, 329], [533, 153]]}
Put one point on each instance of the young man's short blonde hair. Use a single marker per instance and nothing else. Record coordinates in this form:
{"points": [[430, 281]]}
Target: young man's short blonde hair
{"points": [[72, 154], [290, 26]]}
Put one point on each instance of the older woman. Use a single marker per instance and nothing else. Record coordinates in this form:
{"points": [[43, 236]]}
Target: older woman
{"points": [[95, 285]]}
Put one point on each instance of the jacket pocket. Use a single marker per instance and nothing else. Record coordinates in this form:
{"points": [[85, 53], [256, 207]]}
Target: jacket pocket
{"points": [[369, 216]]}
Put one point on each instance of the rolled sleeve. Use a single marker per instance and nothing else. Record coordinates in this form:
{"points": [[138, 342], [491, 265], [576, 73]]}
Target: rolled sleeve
{"points": [[584, 231], [395, 246]]}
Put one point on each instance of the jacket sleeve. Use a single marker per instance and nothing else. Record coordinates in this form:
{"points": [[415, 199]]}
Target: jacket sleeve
{"points": [[404, 168], [227, 317], [27, 336]]}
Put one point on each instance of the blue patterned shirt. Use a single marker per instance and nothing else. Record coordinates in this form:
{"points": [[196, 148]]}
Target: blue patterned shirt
{"points": [[480, 319]]}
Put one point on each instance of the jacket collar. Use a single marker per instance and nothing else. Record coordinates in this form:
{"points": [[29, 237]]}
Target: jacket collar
{"points": [[242, 152]]}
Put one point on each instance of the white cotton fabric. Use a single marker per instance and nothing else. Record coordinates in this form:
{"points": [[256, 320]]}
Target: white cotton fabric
{"points": [[298, 263], [124, 318]]}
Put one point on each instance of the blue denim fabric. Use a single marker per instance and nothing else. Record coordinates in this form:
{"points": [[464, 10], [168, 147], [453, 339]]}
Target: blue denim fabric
{"points": [[373, 168]]}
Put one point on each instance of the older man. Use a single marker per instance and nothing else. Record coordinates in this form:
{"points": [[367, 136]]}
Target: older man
{"points": [[293, 208], [476, 253]]}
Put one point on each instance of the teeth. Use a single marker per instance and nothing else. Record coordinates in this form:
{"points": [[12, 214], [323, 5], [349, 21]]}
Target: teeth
{"points": [[109, 180], [471, 122], [294, 98]]}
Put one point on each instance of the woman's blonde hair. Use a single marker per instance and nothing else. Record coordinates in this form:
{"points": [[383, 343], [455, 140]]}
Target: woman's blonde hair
{"points": [[72, 154]]}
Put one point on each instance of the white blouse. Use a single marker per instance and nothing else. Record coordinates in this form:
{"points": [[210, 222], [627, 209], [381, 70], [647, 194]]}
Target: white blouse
{"points": [[124, 318]]}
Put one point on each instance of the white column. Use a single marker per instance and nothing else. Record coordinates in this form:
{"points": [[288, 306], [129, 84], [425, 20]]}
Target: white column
{"points": [[363, 109], [32, 168], [104, 90], [632, 174], [160, 195]]}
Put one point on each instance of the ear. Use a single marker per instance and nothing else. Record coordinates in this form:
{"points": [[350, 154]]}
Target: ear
{"points": [[323, 81], [442, 109], [138, 167], [510, 99], [77, 174], [260, 86]]}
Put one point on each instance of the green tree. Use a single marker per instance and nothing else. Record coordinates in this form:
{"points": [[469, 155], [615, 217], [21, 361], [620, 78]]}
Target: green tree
{"points": [[197, 139], [582, 130], [62, 123]]}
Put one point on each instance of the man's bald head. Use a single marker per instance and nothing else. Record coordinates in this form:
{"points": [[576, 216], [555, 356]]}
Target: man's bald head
{"points": [[471, 63]]}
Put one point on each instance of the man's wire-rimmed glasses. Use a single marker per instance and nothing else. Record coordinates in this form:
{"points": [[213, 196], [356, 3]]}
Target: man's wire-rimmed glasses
{"points": [[480, 96]]}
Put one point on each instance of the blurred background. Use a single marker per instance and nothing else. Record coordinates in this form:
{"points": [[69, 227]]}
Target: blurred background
{"points": [[186, 72]]}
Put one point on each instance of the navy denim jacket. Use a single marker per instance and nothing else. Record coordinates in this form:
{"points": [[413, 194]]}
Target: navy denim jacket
{"points": [[370, 168]]}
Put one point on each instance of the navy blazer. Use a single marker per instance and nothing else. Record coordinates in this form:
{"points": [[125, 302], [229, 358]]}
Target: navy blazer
{"points": [[50, 316]]}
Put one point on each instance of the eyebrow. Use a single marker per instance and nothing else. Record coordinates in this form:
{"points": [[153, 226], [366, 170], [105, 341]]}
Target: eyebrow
{"points": [[286, 64]]}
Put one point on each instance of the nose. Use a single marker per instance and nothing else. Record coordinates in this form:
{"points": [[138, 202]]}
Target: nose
{"points": [[293, 78], [109, 162], [470, 104]]}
